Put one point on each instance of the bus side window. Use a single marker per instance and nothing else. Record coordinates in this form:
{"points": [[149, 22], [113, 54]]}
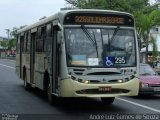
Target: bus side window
{"points": [[25, 41], [40, 39], [49, 30], [18, 45], [22, 43], [48, 39], [28, 44]]}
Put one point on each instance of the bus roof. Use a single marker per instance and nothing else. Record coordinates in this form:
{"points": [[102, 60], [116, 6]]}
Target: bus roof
{"points": [[60, 16]]}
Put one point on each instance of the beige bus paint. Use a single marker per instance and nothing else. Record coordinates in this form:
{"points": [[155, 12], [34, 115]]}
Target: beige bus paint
{"points": [[26, 63], [18, 64], [69, 88], [39, 69]]}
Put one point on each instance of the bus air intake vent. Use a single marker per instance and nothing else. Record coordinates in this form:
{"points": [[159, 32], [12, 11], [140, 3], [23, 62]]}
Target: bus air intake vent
{"points": [[103, 73], [96, 91], [78, 71]]}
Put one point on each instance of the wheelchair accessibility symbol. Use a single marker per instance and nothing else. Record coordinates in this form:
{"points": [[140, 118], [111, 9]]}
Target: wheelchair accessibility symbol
{"points": [[109, 61]]}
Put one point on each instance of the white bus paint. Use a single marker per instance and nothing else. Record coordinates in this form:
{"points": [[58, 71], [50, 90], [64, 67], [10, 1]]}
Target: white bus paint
{"points": [[7, 66], [140, 105]]}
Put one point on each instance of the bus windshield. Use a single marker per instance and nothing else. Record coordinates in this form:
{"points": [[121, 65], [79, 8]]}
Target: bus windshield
{"points": [[100, 47]]}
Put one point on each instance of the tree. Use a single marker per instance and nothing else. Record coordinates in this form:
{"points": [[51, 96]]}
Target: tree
{"points": [[120, 5], [13, 32], [144, 24], [154, 51], [74, 3], [4, 44], [12, 43]]}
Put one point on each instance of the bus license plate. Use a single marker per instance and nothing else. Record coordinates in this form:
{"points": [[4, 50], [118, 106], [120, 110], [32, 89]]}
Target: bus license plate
{"points": [[105, 88], [157, 89]]}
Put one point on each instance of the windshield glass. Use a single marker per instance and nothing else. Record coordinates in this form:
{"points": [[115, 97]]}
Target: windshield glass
{"points": [[145, 69], [103, 47]]}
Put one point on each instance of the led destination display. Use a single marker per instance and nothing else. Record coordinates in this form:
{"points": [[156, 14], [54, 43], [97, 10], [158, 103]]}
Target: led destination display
{"points": [[100, 19]]}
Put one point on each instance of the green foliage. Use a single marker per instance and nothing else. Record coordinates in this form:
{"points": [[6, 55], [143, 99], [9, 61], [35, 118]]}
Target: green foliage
{"points": [[145, 22], [155, 15], [13, 33], [12, 43], [4, 43], [119, 5], [154, 51], [92, 4], [8, 44]]}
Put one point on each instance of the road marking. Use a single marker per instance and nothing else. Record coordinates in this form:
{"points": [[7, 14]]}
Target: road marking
{"points": [[7, 66], [137, 104], [8, 60]]}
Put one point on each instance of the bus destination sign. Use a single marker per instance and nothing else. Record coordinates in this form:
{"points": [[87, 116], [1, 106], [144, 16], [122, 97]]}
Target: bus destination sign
{"points": [[100, 19]]}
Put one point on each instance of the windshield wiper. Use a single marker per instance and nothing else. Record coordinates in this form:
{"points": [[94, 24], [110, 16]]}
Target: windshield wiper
{"points": [[113, 36], [92, 39], [88, 34], [115, 32]]}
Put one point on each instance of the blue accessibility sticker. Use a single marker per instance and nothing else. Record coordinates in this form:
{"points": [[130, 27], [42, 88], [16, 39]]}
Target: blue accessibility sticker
{"points": [[110, 61]]}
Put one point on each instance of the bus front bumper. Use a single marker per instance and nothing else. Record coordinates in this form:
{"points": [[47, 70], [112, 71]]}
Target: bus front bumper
{"points": [[72, 88]]}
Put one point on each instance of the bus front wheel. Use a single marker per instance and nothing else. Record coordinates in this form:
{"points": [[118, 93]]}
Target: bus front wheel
{"points": [[107, 100]]}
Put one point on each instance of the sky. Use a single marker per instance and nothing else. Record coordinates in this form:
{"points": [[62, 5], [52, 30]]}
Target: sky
{"points": [[16, 13], [152, 1]]}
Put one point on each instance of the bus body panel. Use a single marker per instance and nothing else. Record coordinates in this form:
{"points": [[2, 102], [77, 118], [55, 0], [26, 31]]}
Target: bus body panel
{"points": [[68, 91], [39, 70], [18, 64]]}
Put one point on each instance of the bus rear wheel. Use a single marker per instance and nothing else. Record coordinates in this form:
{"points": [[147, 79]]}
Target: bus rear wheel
{"points": [[107, 100], [49, 94], [26, 85]]}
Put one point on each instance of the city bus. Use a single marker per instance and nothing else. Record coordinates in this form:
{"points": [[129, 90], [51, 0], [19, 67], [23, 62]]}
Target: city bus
{"points": [[80, 53]]}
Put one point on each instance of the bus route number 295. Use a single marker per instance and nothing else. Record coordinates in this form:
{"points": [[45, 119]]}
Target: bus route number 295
{"points": [[120, 60]]}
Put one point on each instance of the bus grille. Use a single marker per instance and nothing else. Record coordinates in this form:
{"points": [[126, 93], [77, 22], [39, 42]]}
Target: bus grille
{"points": [[96, 91], [154, 85]]}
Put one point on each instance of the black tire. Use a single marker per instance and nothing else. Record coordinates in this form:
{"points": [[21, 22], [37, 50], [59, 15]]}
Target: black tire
{"points": [[52, 99], [47, 87], [45, 82], [49, 94], [26, 84], [48, 91], [107, 100]]}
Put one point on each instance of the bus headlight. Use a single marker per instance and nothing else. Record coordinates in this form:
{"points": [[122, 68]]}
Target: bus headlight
{"points": [[86, 81], [120, 81]]}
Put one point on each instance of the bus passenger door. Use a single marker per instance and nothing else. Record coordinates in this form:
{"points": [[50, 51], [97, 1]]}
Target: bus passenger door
{"points": [[32, 57], [20, 57], [55, 61]]}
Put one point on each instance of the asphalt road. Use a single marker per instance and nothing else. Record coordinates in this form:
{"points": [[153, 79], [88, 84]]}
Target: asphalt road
{"points": [[23, 105]]}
